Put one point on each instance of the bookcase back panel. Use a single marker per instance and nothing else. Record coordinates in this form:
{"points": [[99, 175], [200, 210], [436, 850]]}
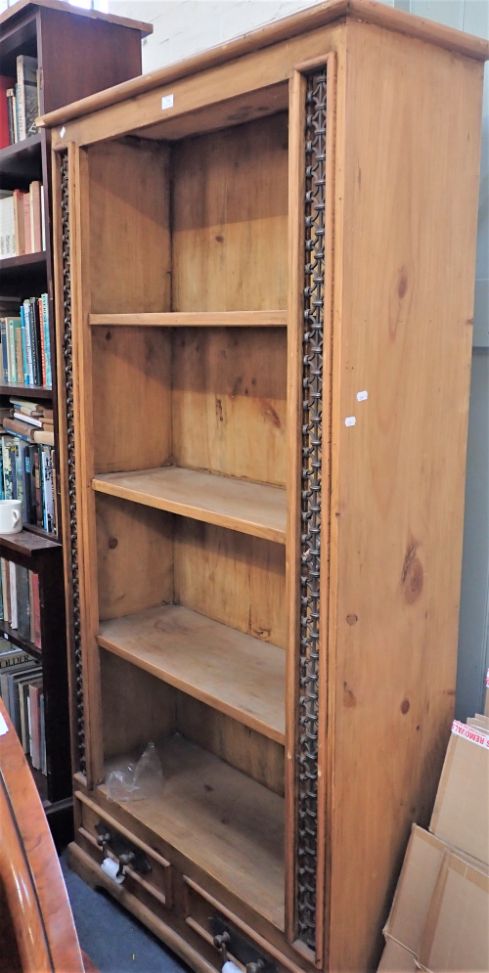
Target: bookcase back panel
{"points": [[253, 754], [138, 708], [229, 401], [233, 578], [131, 398], [135, 563], [129, 254], [229, 219], [135, 707]]}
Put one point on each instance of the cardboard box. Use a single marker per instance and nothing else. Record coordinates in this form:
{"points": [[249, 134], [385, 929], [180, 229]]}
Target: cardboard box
{"points": [[456, 934], [396, 959], [461, 813], [417, 881]]}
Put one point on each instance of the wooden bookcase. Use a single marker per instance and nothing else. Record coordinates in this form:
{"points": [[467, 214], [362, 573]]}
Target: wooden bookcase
{"points": [[265, 261], [78, 52]]}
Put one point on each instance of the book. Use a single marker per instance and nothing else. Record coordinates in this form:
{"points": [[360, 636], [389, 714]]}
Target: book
{"points": [[12, 111], [23, 602], [35, 616], [26, 94], [14, 618], [8, 246], [19, 216], [35, 189], [35, 689], [6, 83]]}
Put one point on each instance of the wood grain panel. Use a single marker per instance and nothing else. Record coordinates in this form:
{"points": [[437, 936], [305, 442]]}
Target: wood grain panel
{"points": [[129, 227], [135, 563], [131, 398], [229, 240], [229, 392], [233, 578], [257, 756], [137, 708], [410, 193]]}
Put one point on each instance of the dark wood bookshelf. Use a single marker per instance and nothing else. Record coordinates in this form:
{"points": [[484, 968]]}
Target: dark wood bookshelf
{"points": [[27, 391], [79, 53], [11, 635], [21, 161]]}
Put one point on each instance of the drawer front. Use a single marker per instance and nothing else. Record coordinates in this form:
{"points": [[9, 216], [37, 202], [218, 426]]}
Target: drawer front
{"points": [[229, 935], [144, 872]]}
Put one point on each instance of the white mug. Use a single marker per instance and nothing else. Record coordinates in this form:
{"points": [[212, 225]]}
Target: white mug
{"points": [[10, 516]]}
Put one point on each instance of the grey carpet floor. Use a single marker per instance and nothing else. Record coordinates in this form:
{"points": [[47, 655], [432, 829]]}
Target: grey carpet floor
{"points": [[114, 941]]}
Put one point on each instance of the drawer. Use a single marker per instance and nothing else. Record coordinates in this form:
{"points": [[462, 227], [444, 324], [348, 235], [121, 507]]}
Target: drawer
{"points": [[218, 926], [146, 874]]}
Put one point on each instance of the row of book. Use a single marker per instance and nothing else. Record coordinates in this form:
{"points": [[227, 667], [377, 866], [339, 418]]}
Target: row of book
{"points": [[22, 220], [26, 344], [20, 607], [28, 473], [21, 690], [32, 421], [19, 101]]}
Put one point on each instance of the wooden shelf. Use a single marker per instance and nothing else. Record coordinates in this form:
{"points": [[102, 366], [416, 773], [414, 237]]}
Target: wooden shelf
{"points": [[22, 261], [237, 674], [27, 391], [21, 161], [250, 508], [26, 543], [8, 634], [221, 820], [185, 319]]}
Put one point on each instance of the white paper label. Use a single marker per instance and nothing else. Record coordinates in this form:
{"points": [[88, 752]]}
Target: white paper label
{"points": [[350, 421], [62, 132], [3, 726], [167, 102], [362, 396], [470, 734]]}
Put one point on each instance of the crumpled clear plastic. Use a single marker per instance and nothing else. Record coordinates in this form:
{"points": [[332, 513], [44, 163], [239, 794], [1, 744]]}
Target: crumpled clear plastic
{"points": [[136, 781]]}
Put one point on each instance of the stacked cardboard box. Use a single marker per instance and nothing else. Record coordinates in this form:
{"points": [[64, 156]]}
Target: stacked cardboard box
{"points": [[439, 920]]}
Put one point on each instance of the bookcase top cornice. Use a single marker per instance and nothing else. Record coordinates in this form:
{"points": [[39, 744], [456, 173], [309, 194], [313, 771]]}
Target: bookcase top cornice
{"points": [[369, 11], [23, 6]]}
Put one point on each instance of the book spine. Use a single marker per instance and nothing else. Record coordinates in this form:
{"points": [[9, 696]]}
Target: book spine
{"points": [[19, 364], [11, 115], [47, 340], [12, 365], [20, 104], [14, 618], [44, 762], [4, 340], [35, 341], [7, 469], [38, 487], [35, 610], [5, 589], [19, 220], [24, 346], [35, 214], [27, 223]]}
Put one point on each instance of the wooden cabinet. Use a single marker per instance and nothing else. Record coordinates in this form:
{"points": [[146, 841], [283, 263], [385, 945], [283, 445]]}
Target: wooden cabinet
{"points": [[265, 261]]}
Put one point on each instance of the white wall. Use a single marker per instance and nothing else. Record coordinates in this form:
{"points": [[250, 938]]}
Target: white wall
{"points": [[184, 27]]}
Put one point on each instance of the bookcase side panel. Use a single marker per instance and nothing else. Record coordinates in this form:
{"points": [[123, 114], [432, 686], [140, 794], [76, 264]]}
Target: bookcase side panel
{"points": [[112, 54], [402, 368], [129, 227], [230, 219], [136, 709]]}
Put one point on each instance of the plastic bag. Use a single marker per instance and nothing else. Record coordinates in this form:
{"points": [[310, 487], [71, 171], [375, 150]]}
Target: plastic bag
{"points": [[136, 781]]}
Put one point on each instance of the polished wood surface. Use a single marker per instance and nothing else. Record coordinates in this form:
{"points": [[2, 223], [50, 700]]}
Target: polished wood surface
{"points": [[33, 889], [186, 319]]}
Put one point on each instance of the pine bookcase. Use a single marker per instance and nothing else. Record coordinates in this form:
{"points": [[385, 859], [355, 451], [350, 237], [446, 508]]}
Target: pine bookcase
{"points": [[265, 270]]}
